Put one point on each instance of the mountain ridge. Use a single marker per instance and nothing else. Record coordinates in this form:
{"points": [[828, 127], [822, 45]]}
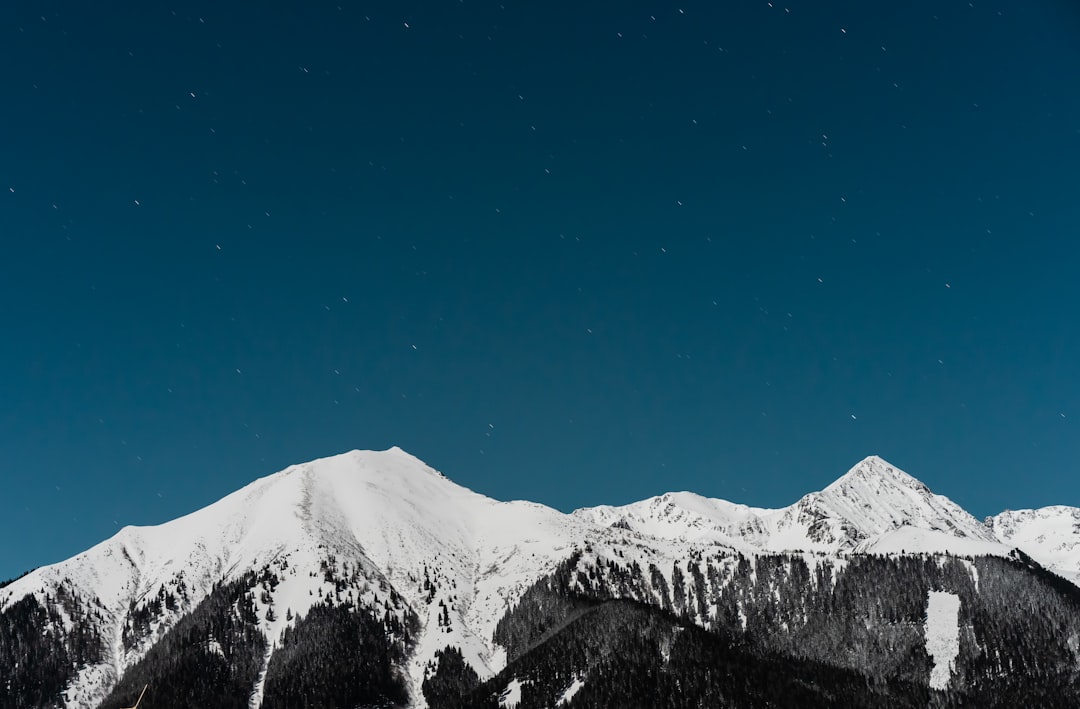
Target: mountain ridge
{"points": [[871, 499]]}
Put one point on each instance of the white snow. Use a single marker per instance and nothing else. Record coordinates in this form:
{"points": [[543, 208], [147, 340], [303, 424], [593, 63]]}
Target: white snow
{"points": [[576, 685], [974, 572], [511, 696], [915, 540], [942, 633], [1049, 535], [871, 499], [215, 647]]}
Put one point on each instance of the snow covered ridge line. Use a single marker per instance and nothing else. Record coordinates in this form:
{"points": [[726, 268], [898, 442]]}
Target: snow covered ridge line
{"points": [[429, 564], [874, 508]]}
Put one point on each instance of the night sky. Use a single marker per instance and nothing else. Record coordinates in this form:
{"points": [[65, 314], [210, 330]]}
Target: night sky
{"points": [[577, 253]]}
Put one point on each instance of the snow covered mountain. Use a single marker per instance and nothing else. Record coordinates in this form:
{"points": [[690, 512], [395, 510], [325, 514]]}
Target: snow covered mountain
{"points": [[385, 514], [1050, 535], [875, 506], [438, 566]]}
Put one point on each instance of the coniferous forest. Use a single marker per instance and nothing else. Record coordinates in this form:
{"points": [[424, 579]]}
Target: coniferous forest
{"points": [[337, 656], [210, 658]]}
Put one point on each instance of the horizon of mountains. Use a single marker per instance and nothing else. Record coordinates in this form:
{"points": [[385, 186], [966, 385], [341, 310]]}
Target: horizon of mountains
{"points": [[370, 579]]}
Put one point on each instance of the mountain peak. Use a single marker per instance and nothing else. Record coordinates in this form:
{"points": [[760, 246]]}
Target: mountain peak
{"points": [[875, 498], [878, 474], [386, 465], [363, 454], [876, 465]]}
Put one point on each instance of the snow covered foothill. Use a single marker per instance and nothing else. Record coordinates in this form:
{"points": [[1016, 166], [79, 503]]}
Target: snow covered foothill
{"points": [[1049, 535]]}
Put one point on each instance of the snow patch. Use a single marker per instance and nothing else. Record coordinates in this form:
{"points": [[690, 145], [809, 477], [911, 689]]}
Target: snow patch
{"points": [[973, 571], [942, 632], [511, 696], [214, 647], [576, 685], [913, 540], [89, 687]]}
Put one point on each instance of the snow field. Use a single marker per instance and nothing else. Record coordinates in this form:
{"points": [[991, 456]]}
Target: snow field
{"points": [[942, 632], [576, 685]]}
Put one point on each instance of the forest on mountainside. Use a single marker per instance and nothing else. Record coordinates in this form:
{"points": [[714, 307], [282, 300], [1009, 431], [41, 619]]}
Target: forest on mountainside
{"points": [[338, 656], [1019, 630], [42, 657], [210, 658], [626, 654], [717, 629]]}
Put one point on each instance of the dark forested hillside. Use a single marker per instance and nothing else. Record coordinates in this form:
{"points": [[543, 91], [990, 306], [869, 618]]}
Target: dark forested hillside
{"points": [[451, 682], [848, 634], [41, 654], [339, 656], [210, 658], [335, 655], [625, 654]]}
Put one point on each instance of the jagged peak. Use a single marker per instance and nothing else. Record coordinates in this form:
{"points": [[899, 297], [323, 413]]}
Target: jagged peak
{"points": [[875, 469], [877, 465]]}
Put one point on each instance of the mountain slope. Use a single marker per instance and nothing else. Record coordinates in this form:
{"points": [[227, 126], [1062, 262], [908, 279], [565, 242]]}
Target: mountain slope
{"points": [[1051, 535], [1010, 635], [872, 498], [383, 517]]}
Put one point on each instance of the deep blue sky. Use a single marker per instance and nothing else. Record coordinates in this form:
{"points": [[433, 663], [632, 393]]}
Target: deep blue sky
{"points": [[578, 253]]}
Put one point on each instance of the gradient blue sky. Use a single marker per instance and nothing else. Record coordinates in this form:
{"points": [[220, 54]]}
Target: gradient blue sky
{"points": [[578, 253]]}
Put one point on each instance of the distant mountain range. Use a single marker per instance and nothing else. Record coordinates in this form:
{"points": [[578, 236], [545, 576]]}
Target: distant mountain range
{"points": [[370, 579]]}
